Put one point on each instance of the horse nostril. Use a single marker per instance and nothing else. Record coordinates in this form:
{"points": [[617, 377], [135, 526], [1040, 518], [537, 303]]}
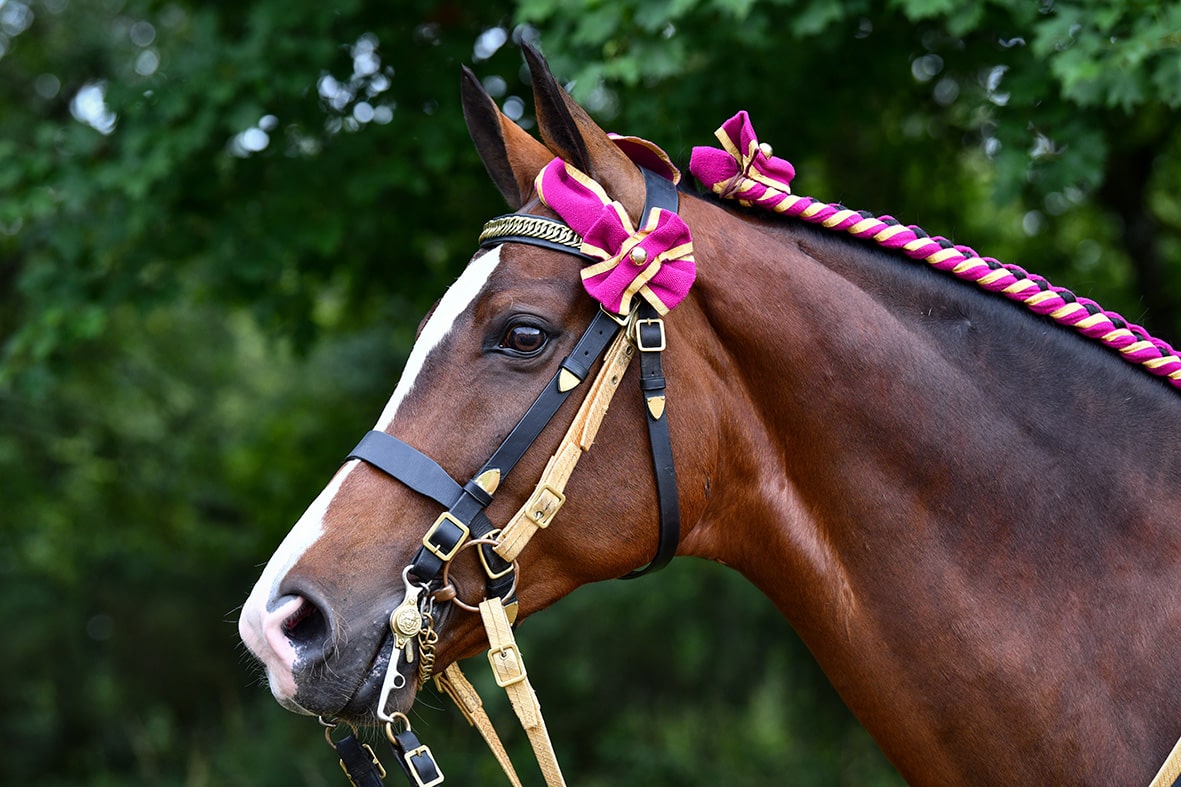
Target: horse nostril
{"points": [[306, 625]]}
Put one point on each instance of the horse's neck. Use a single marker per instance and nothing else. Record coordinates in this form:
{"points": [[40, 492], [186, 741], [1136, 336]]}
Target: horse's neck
{"points": [[924, 475]]}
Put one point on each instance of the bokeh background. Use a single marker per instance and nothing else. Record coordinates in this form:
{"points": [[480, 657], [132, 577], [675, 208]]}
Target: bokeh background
{"points": [[221, 222]]}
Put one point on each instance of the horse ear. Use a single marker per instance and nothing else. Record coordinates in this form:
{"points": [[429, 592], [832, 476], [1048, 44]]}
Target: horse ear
{"points": [[512, 157], [569, 131]]}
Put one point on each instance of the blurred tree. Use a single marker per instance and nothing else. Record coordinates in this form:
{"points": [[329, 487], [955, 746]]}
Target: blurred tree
{"points": [[291, 153], [220, 223]]}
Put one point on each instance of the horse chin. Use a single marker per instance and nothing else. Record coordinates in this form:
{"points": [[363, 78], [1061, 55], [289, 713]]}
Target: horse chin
{"points": [[321, 691]]}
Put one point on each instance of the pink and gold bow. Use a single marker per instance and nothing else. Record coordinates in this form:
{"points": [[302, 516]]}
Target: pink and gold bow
{"points": [[744, 169], [654, 261]]}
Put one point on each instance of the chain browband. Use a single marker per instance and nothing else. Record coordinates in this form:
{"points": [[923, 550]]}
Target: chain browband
{"points": [[524, 228]]}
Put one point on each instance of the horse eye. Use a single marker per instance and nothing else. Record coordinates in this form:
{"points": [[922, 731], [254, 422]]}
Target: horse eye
{"points": [[523, 339]]}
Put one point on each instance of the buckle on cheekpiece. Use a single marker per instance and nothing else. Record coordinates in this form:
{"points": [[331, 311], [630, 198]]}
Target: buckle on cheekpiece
{"points": [[650, 335], [445, 537]]}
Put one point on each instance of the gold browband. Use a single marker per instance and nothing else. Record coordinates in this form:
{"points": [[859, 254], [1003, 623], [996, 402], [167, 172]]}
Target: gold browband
{"points": [[521, 227]]}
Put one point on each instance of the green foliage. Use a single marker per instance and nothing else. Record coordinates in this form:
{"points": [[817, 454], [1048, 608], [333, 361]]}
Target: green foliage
{"points": [[220, 224]]}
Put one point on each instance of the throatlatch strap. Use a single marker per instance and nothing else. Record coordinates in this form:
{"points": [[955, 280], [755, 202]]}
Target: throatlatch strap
{"points": [[508, 668], [650, 341]]}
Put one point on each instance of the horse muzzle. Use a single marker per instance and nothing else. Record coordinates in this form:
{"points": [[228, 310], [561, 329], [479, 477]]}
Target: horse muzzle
{"points": [[317, 663]]}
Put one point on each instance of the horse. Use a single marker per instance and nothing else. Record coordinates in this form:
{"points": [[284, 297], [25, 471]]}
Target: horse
{"points": [[966, 511]]}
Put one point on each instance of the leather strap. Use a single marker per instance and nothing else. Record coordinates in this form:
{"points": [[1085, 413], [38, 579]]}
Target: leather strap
{"points": [[409, 465], [650, 341], [455, 685], [508, 668], [415, 759], [466, 504], [541, 507], [578, 363], [358, 762], [1169, 774]]}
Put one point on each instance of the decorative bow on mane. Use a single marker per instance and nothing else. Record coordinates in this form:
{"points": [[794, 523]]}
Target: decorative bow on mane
{"points": [[744, 170], [653, 261]]}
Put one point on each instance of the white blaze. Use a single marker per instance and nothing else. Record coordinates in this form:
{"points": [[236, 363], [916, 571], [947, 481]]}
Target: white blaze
{"points": [[310, 526], [455, 302]]}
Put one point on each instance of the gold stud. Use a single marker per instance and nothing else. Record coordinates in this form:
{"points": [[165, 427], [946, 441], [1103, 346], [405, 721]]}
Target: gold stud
{"points": [[489, 480], [765, 148], [567, 381], [656, 407], [638, 255]]}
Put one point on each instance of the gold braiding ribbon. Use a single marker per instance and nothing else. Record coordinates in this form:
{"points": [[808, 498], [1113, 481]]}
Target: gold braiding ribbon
{"points": [[517, 225]]}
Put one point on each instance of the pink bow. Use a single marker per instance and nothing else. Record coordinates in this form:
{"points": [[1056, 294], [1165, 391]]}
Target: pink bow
{"points": [[654, 261], [744, 169]]}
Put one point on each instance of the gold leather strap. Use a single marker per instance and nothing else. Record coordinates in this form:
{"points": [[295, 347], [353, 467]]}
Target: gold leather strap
{"points": [[1170, 771], [508, 668], [548, 496], [455, 685]]}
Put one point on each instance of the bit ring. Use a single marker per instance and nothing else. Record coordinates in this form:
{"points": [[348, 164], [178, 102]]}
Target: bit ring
{"points": [[456, 600]]}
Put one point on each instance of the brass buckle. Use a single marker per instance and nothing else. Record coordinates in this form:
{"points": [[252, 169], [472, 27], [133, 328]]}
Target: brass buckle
{"points": [[644, 348], [492, 534], [511, 679], [541, 515], [438, 552], [620, 320], [423, 751]]}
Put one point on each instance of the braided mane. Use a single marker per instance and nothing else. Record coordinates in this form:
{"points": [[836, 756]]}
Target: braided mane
{"points": [[747, 172]]}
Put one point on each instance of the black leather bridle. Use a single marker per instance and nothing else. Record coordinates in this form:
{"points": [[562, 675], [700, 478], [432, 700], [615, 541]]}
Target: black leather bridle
{"points": [[465, 504]]}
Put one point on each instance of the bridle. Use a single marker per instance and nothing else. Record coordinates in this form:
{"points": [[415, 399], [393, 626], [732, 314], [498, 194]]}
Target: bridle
{"points": [[754, 177], [612, 338]]}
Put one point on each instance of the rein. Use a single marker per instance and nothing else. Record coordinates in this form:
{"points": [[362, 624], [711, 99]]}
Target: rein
{"points": [[636, 326]]}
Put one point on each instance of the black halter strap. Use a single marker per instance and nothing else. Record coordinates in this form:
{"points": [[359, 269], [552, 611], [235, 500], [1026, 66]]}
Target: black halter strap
{"points": [[464, 515]]}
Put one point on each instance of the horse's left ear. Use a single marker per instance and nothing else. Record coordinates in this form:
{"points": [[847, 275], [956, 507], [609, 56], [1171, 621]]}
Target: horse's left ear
{"points": [[510, 154], [571, 134]]}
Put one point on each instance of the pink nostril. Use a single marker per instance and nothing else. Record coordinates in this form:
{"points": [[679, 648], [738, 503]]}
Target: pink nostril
{"points": [[275, 629], [296, 618], [296, 624]]}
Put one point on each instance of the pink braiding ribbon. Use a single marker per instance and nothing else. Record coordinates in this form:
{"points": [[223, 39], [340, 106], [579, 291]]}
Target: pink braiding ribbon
{"points": [[746, 171], [653, 261]]}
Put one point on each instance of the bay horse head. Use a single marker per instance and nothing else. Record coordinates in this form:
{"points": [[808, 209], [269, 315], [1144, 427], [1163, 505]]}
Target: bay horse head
{"points": [[514, 322]]}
